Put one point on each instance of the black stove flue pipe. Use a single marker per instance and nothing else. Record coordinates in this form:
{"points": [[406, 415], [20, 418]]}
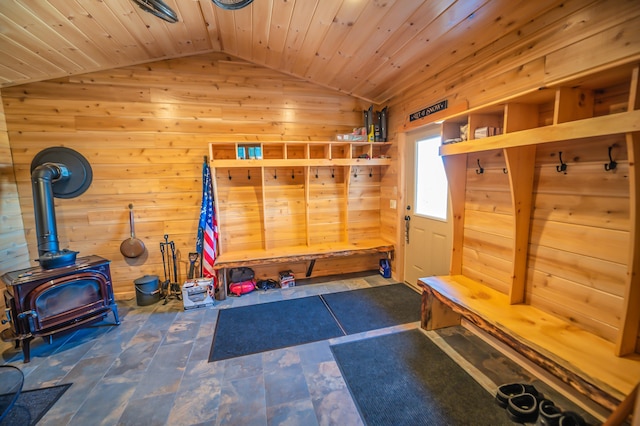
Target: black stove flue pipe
{"points": [[49, 251]]}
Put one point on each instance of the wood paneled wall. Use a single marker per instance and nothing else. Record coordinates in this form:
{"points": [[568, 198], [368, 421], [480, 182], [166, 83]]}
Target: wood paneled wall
{"points": [[570, 274], [13, 245], [488, 226], [579, 243], [145, 130]]}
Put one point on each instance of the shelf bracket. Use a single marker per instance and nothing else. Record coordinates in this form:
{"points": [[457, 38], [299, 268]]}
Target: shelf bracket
{"points": [[310, 268]]}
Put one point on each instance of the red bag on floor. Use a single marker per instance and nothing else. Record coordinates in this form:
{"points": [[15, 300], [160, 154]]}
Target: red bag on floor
{"points": [[242, 287]]}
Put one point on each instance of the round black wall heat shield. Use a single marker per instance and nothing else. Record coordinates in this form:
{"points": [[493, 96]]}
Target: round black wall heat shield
{"points": [[232, 4], [158, 8], [62, 173], [80, 174]]}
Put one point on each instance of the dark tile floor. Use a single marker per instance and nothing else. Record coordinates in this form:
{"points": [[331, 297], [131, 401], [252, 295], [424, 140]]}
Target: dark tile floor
{"points": [[153, 369]]}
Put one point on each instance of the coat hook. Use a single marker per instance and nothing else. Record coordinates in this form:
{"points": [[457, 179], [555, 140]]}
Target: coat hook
{"points": [[293, 175], [248, 174], [505, 171], [612, 164], [229, 173], [371, 172], [562, 168], [479, 170], [316, 173], [275, 173], [333, 175], [355, 173]]}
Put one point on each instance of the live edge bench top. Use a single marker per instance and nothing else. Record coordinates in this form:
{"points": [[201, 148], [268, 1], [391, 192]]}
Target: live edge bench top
{"points": [[299, 254], [581, 359]]}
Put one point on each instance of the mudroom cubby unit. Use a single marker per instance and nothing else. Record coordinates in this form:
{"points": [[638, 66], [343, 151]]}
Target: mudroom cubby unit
{"points": [[547, 211], [300, 198]]}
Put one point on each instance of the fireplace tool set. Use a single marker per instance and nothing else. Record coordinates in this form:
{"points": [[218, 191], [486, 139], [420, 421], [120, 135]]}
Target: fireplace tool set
{"points": [[170, 286]]}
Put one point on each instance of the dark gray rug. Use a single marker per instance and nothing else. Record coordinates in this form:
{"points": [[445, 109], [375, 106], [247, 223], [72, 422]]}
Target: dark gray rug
{"points": [[258, 328], [405, 379], [32, 405], [375, 307]]}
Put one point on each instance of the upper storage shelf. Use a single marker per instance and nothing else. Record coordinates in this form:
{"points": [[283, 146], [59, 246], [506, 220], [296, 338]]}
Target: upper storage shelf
{"points": [[309, 153], [581, 108]]}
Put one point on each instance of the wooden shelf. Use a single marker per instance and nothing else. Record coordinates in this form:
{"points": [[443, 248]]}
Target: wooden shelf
{"points": [[587, 128], [306, 162], [275, 153]]}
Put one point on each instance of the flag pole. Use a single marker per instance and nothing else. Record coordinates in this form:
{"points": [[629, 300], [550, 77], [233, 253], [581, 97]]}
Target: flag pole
{"points": [[200, 235], [207, 241]]}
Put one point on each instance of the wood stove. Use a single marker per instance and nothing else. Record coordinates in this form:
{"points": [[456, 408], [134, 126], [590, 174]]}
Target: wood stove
{"points": [[42, 302], [64, 292]]}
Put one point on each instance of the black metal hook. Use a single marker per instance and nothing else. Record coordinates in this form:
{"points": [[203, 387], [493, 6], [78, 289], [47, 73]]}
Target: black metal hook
{"points": [[316, 173], [229, 173], [248, 174], [562, 168], [612, 164], [355, 173], [275, 173], [479, 170], [333, 175], [371, 172], [293, 174]]}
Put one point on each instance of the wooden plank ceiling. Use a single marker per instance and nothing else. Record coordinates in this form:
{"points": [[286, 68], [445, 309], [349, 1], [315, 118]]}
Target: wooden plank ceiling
{"points": [[372, 49]]}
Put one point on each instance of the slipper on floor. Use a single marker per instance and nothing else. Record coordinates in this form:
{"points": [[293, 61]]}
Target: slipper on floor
{"points": [[510, 390], [570, 418], [549, 413], [523, 408]]}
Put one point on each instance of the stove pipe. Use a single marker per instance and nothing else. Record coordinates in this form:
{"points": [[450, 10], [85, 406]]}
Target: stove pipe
{"points": [[42, 178]]}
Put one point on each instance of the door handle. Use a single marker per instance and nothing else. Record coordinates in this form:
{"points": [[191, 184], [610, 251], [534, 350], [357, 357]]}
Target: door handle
{"points": [[407, 220]]}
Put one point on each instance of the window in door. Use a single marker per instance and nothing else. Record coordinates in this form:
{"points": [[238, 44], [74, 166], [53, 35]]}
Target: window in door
{"points": [[431, 181]]}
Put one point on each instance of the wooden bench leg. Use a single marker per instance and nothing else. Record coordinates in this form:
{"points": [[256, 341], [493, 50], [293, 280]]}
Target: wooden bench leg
{"points": [[435, 314]]}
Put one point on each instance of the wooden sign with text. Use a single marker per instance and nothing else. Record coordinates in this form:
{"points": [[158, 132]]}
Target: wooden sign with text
{"points": [[440, 106]]}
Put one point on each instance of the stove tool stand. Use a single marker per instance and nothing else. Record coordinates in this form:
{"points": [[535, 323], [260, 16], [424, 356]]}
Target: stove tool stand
{"points": [[170, 286]]}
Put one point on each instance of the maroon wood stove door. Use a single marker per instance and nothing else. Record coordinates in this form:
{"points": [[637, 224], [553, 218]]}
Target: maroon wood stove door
{"points": [[68, 299]]}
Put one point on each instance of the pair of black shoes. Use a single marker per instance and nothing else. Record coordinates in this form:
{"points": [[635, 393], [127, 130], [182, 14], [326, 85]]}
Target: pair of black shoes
{"points": [[524, 404]]}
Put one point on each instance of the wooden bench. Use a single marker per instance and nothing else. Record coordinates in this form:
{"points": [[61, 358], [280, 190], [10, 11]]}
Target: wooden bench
{"points": [[580, 359], [252, 258]]}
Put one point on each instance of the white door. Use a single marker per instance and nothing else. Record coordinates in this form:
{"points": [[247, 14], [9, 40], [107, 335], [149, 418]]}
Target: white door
{"points": [[428, 224]]}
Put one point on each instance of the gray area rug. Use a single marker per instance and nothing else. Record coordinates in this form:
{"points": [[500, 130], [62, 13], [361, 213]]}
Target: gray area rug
{"points": [[257, 328], [32, 405], [373, 308], [405, 379]]}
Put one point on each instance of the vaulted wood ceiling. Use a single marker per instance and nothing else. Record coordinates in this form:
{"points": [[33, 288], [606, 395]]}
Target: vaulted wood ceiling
{"points": [[372, 49]]}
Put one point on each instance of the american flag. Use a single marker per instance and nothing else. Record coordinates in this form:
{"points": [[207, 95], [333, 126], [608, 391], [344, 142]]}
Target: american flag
{"points": [[206, 243]]}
